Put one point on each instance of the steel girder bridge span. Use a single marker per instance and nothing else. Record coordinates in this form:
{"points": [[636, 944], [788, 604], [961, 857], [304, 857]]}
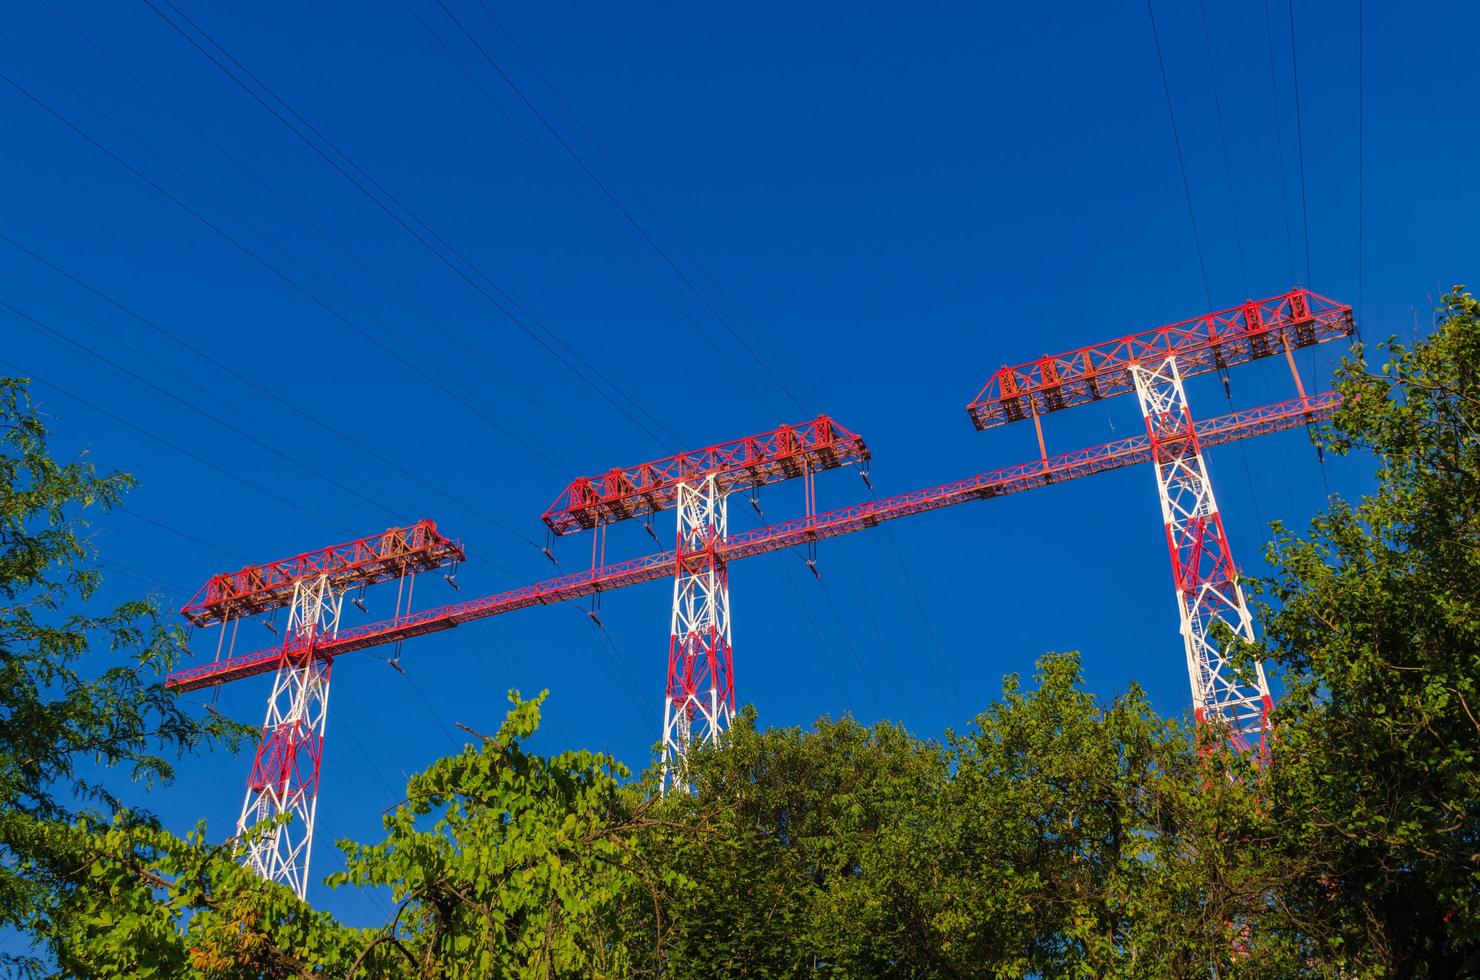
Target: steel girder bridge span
{"points": [[699, 696]]}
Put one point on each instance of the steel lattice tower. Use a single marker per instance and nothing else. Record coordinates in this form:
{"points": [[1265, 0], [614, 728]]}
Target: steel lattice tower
{"points": [[285, 772], [700, 695], [1227, 703]]}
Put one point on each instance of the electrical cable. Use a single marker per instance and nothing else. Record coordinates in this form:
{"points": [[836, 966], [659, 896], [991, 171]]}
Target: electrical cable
{"points": [[1181, 160], [1361, 162], [631, 185], [180, 449], [484, 363], [456, 269], [585, 205], [1279, 140], [1299, 138], [852, 648], [1238, 237], [821, 646], [275, 397], [940, 656], [642, 231], [256, 257]]}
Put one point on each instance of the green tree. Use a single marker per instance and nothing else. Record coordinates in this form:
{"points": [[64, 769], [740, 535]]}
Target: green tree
{"points": [[1375, 787], [522, 872]]}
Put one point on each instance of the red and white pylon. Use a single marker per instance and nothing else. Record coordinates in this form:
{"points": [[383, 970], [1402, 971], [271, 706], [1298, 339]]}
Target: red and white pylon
{"points": [[1234, 703], [700, 698], [285, 772]]}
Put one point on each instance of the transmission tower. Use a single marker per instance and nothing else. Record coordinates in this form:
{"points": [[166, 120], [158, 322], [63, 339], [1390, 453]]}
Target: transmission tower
{"points": [[699, 696], [700, 692], [277, 817], [1228, 703]]}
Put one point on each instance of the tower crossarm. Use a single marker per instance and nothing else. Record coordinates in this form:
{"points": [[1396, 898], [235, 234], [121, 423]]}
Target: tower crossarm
{"points": [[781, 454], [774, 537], [377, 558], [1257, 329]]}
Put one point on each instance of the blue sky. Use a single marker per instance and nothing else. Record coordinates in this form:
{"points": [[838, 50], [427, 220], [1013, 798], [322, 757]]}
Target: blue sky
{"points": [[885, 203]]}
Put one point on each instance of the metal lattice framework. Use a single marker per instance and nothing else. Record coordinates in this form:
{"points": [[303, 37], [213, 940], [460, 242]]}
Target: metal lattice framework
{"points": [[1153, 364], [365, 561], [776, 537], [700, 693], [784, 453], [700, 699], [1226, 701], [1257, 329], [285, 771]]}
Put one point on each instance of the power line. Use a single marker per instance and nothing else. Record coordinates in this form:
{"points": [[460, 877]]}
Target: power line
{"points": [[275, 397], [179, 448], [1361, 158], [852, 648], [945, 667], [484, 363], [1238, 237], [821, 646], [1181, 160], [403, 222], [631, 185], [1279, 140], [643, 232], [1299, 138], [256, 257], [565, 182]]}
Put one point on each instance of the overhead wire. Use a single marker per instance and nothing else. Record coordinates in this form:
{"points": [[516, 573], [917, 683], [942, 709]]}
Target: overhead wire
{"points": [[622, 209], [821, 645], [276, 397], [180, 449], [1361, 161], [1279, 140], [257, 257], [565, 181], [1181, 159], [852, 647], [484, 363], [1238, 237], [502, 302], [1299, 138], [684, 250]]}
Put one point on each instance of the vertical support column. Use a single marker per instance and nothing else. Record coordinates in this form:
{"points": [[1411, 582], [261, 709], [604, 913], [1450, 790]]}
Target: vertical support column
{"points": [[1231, 704], [285, 772], [700, 698]]}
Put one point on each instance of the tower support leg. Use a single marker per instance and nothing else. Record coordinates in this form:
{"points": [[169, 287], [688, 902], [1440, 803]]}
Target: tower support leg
{"points": [[1228, 703], [285, 771], [700, 696]]}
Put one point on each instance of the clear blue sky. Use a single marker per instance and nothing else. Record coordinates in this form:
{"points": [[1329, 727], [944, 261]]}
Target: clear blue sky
{"points": [[897, 199]]}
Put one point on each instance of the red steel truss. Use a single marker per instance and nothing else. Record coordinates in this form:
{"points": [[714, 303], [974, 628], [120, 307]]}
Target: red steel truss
{"points": [[378, 558], [782, 454], [1244, 333], [775, 537]]}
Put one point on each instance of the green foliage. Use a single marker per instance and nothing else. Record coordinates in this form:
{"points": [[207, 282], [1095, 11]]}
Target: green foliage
{"points": [[524, 867], [64, 716], [1378, 632]]}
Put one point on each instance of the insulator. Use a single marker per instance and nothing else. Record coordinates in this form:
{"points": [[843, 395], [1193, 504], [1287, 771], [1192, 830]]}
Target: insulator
{"points": [[595, 618], [812, 564], [271, 626], [648, 527], [550, 555], [866, 481], [360, 605], [452, 581]]}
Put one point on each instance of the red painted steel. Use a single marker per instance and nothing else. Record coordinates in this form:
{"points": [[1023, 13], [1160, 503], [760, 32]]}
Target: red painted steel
{"points": [[1238, 335], [781, 454], [775, 537], [378, 558]]}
